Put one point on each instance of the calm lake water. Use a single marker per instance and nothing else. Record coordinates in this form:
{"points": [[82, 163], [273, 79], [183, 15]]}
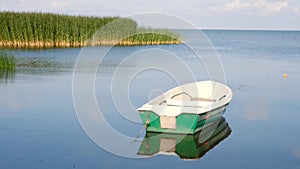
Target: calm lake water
{"points": [[39, 126]]}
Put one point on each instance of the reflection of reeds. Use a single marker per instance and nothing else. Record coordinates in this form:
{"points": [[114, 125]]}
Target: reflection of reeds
{"points": [[44, 30], [7, 65], [36, 63], [42, 65]]}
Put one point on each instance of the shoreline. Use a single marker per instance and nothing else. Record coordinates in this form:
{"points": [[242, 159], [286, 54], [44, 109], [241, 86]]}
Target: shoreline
{"points": [[63, 44]]}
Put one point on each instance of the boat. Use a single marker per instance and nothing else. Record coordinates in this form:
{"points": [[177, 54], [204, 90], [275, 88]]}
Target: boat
{"points": [[187, 147], [187, 108]]}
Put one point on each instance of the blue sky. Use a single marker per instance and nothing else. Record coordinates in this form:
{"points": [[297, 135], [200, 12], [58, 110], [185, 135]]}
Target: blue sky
{"points": [[216, 14]]}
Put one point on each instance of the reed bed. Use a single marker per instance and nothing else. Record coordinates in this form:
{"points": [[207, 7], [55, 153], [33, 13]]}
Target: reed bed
{"points": [[45, 30], [7, 62], [7, 65]]}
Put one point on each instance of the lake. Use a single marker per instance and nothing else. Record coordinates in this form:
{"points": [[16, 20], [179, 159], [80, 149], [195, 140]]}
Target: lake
{"points": [[39, 127]]}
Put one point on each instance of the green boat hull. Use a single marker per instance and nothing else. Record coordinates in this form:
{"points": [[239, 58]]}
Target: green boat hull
{"points": [[185, 123], [185, 146]]}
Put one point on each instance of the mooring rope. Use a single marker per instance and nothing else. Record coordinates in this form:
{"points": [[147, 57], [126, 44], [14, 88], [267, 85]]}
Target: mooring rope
{"points": [[141, 131]]}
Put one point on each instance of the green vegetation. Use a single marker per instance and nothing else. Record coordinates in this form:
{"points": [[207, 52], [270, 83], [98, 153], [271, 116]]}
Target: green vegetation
{"points": [[45, 30], [7, 62], [7, 65]]}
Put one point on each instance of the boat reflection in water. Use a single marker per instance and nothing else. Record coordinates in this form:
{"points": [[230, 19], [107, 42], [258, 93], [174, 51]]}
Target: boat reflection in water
{"points": [[192, 146]]}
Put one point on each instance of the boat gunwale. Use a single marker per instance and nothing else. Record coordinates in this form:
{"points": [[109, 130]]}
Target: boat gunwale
{"points": [[188, 109]]}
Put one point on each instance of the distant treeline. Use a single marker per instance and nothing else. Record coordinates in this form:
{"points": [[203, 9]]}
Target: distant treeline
{"points": [[45, 30]]}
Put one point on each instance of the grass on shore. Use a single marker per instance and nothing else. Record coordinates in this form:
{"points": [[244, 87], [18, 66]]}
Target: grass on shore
{"points": [[45, 30]]}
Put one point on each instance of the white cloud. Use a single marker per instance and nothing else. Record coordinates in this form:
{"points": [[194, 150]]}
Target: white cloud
{"points": [[256, 7], [56, 4], [261, 6], [236, 5], [296, 9], [271, 7]]}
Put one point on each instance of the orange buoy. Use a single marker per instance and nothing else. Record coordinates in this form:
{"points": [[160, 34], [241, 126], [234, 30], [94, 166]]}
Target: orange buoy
{"points": [[284, 75]]}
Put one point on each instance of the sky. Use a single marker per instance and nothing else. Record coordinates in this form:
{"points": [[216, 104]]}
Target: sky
{"points": [[204, 14]]}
